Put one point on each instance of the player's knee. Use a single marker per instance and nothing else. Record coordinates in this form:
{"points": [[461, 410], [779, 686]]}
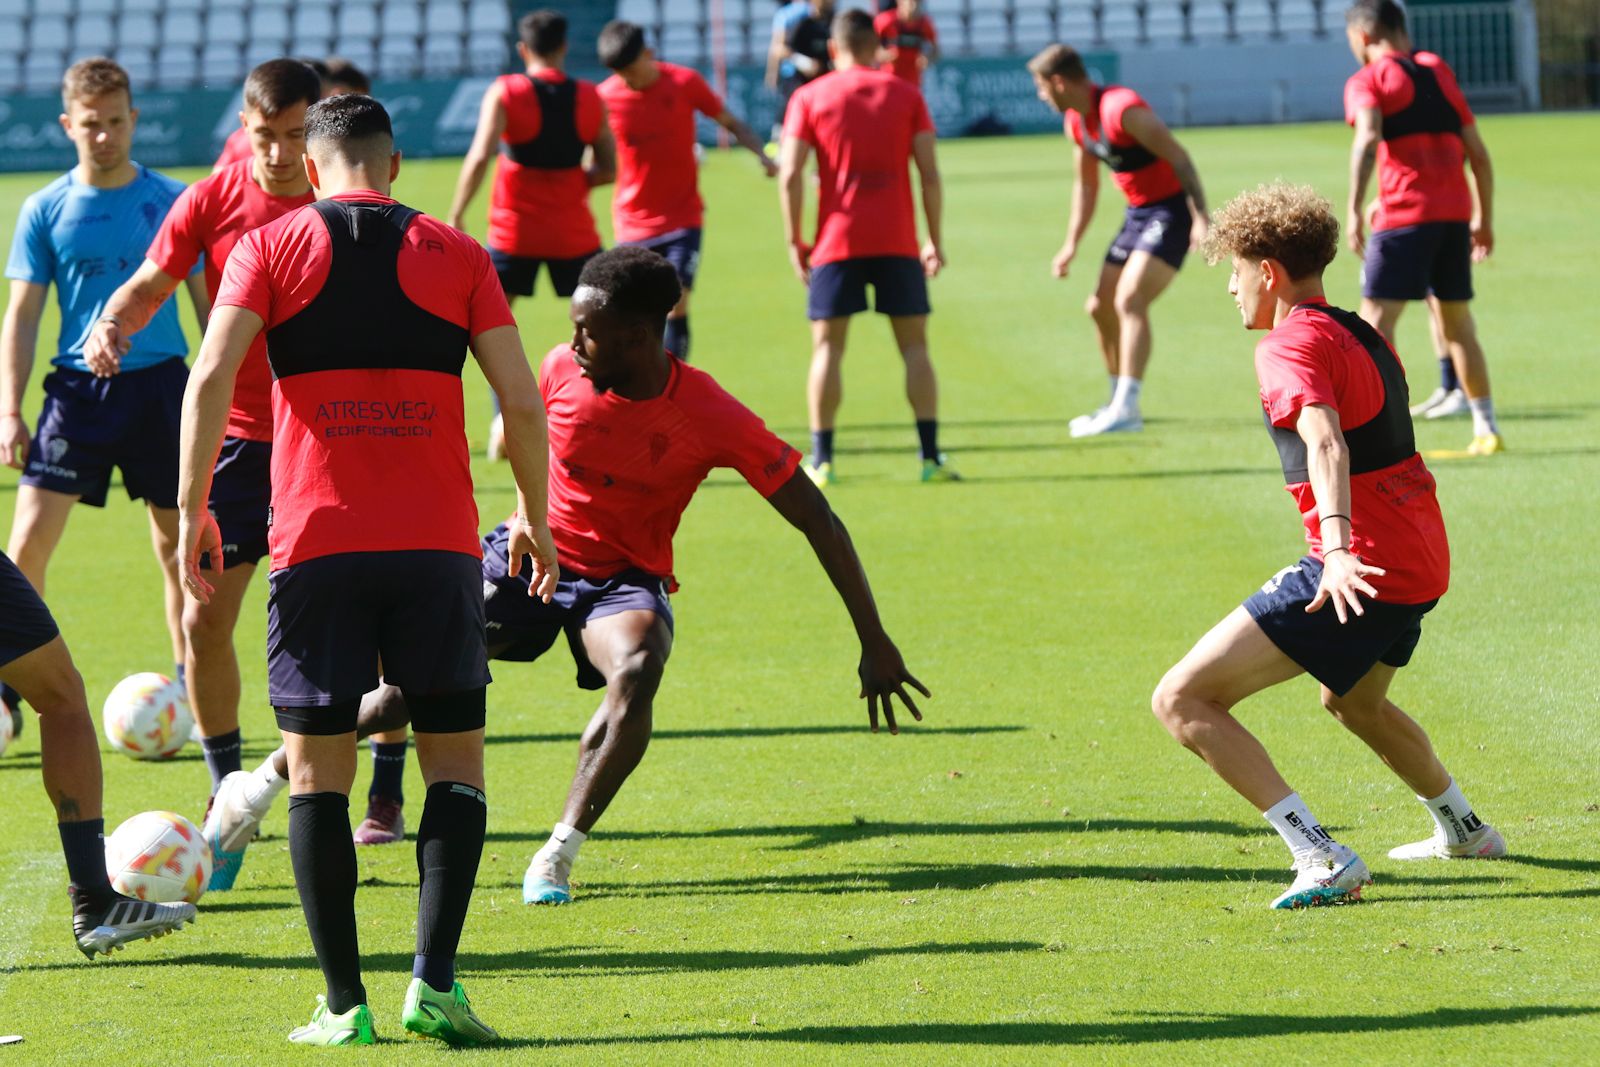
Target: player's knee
{"points": [[1131, 303], [1350, 710], [58, 693], [637, 675], [1098, 307], [202, 629], [1166, 703]]}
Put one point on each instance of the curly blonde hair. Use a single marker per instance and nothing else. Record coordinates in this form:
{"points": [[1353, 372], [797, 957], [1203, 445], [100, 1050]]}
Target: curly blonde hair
{"points": [[1288, 223]]}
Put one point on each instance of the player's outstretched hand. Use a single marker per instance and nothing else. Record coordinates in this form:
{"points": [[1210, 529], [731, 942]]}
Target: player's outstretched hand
{"points": [[884, 677], [14, 441], [104, 349], [533, 539], [1482, 241], [1356, 233], [1344, 578], [196, 537], [1061, 265], [800, 260]]}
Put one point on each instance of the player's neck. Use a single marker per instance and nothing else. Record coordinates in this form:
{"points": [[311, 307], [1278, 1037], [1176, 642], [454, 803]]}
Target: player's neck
{"points": [[299, 187], [538, 64], [115, 178], [1384, 46], [649, 380], [1296, 293]]}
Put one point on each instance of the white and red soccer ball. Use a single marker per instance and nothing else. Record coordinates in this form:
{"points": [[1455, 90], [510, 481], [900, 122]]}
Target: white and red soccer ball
{"points": [[147, 716], [159, 856]]}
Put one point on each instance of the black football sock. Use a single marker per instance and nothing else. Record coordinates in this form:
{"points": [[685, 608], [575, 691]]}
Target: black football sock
{"points": [[821, 447], [928, 436], [10, 697], [324, 859], [84, 843], [1447, 374], [388, 771], [449, 845], [677, 337], [222, 756]]}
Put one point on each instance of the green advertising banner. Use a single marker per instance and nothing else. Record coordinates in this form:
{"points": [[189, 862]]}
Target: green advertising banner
{"points": [[436, 118]]}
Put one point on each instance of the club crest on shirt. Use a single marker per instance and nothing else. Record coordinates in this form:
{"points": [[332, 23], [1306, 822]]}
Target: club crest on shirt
{"points": [[659, 443], [151, 213]]}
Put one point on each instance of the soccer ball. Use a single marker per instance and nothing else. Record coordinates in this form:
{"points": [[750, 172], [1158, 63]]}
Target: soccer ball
{"points": [[147, 716], [159, 856]]}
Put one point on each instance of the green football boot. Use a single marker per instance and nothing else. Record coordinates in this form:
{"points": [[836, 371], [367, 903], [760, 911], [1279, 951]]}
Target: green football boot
{"points": [[354, 1027], [446, 1016]]}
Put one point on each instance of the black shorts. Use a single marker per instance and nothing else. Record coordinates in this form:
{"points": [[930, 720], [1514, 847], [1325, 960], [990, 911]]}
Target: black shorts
{"points": [[838, 289], [1161, 229], [522, 628], [1337, 654], [89, 425], [25, 623], [681, 248], [330, 621], [517, 273], [241, 499], [1414, 262]]}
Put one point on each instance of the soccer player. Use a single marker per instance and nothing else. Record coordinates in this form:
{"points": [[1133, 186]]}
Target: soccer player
{"points": [[864, 123], [807, 43], [338, 75], [544, 125], [651, 106], [781, 76], [205, 224], [1413, 123], [910, 41], [83, 233], [369, 309], [34, 659], [633, 432], [1166, 218], [1350, 612]]}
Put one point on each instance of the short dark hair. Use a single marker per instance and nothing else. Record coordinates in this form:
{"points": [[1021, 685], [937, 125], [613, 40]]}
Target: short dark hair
{"points": [[279, 84], [620, 44], [343, 72], [89, 78], [852, 30], [318, 65], [1381, 16], [543, 31], [354, 123], [640, 285], [1058, 61]]}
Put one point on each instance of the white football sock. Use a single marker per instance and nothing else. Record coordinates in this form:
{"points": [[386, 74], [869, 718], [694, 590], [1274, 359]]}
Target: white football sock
{"points": [[1482, 416], [1112, 379], [264, 785], [1453, 815], [1125, 398], [565, 842], [1299, 828]]}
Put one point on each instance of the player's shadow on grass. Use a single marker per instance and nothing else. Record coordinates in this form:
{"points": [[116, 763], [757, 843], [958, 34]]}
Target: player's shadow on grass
{"points": [[738, 732], [1143, 1030]]}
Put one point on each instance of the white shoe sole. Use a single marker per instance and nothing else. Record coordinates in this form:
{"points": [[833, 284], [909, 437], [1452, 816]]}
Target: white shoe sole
{"points": [[1491, 846]]}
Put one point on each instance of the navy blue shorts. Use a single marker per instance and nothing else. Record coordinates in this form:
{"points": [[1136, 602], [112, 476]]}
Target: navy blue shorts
{"points": [[1336, 654], [522, 628], [838, 289], [25, 623], [1412, 262], [330, 621], [517, 273], [89, 425], [681, 248], [241, 498], [1161, 229]]}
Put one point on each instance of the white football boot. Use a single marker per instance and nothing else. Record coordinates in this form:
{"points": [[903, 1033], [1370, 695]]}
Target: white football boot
{"points": [[1486, 844], [1453, 404], [1336, 878], [231, 824], [1107, 420]]}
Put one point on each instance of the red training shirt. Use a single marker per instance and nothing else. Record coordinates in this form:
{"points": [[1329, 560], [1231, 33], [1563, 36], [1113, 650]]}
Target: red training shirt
{"points": [[1147, 185], [367, 460], [623, 471], [1394, 512], [658, 189], [908, 39], [1420, 176], [235, 148], [208, 219], [861, 121], [533, 211]]}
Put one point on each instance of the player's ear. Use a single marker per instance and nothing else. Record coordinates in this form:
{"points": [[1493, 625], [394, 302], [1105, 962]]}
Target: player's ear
{"points": [[311, 172], [394, 165]]}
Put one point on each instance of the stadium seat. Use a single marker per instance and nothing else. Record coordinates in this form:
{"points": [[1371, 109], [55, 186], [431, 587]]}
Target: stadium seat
{"points": [[85, 7], [175, 66], [138, 29], [988, 33], [361, 51], [213, 6], [97, 33], [140, 63], [48, 32], [1208, 20], [489, 16], [1163, 22], [41, 71], [181, 27], [1075, 26], [313, 23], [131, 7], [1252, 20], [398, 58], [357, 20], [269, 28], [683, 12], [443, 56], [10, 72], [488, 53], [1298, 18], [681, 43], [14, 9], [400, 20], [1119, 22], [220, 63], [180, 5], [444, 17], [648, 13], [1033, 29], [226, 27]]}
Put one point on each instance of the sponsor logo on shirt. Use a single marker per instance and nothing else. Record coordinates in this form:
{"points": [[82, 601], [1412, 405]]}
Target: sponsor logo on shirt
{"points": [[376, 418]]}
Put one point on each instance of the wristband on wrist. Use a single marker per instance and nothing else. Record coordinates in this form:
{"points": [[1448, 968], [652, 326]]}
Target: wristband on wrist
{"points": [[1336, 548], [1335, 515], [112, 319]]}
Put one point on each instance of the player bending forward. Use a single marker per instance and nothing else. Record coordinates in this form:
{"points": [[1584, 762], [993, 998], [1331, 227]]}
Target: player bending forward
{"points": [[1349, 613]]}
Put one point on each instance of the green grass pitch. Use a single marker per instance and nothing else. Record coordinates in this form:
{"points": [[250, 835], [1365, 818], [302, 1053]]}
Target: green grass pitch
{"points": [[1036, 873]]}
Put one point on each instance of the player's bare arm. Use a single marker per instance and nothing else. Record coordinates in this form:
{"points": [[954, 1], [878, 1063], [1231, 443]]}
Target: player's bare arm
{"points": [[926, 158], [499, 353], [883, 672], [199, 298], [130, 310], [491, 124], [1363, 157], [19, 336], [601, 168], [747, 139], [1483, 191], [777, 52], [1344, 576], [206, 401], [1146, 127], [1085, 193], [792, 158]]}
